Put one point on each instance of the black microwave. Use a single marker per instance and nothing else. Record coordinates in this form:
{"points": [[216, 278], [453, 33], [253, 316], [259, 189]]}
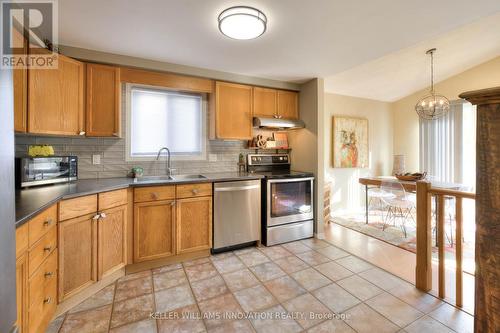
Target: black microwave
{"points": [[33, 171]]}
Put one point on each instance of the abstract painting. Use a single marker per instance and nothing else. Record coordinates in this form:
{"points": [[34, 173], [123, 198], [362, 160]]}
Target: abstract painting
{"points": [[350, 142]]}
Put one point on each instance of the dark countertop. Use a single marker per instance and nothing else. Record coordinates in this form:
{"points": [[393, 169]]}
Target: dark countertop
{"points": [[30, 202]]}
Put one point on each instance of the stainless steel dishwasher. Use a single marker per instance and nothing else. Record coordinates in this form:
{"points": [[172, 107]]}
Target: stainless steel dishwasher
{"points": [[237, 216]]}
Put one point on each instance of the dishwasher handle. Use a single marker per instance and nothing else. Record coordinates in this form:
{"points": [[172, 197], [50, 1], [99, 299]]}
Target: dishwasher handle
{"points": [[236, 188]]}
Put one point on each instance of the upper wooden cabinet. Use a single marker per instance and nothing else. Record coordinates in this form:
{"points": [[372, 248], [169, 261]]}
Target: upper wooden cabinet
{"points": [[103, 100], [288, 104], [265, 102], [55, 99], [233, 111], [20, 78]]}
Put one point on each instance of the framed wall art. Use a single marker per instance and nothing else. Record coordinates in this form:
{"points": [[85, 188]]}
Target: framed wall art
{"points": [[350, 142]]}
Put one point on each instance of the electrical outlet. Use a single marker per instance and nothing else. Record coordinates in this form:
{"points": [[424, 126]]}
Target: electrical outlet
{"points": [[212, 157], [96, 159]]}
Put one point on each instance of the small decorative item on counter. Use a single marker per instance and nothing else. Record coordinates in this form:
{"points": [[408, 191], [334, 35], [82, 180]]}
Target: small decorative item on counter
{"points": [[261, 142], [241, 163], [270, 144], [137, 172], [40, 150], [281, 140]]}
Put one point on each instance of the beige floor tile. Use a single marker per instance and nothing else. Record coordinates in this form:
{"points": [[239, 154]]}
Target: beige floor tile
{"points": [[253, 258], [90, 321], [275, 252], [333, 271], [291, 264], [196, 262], [173, 298], [310, 310], [428, 325], [133, 276], [228, 264], [200, 272], [312, 258], [382, 279], [167, 268], [55, 324], [133, 288], [354, 264], [241, 279], [169, 279], [268, 322], [101, 298], [452, 317], [222, 255], [359, 287], [235, 326], [311, 279], [284, 288], [245, 250], [314, 243], [144, 326], [335, 298], [332, 326], [255, 298], [296, 247], [186, 319], [416, 298], [267, 271], [366, 320], [332, 252], [132, 309], [220, 310], [394, 309], [208, 288]]}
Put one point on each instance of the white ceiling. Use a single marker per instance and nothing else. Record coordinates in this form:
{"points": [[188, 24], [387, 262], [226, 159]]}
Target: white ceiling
{"points": [[304, 39]]}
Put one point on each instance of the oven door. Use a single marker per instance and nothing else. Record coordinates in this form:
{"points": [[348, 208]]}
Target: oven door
{"points": [[289, 200]]}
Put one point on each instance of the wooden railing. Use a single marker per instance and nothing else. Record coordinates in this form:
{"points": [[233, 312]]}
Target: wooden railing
{"points": [[423, 274]]}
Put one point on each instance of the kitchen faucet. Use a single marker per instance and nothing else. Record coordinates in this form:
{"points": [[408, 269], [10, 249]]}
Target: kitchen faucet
{"points": [[169, 169]]}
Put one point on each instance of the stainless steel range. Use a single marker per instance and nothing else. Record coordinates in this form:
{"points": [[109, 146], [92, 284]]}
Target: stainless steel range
{"points": [[287, 199]]}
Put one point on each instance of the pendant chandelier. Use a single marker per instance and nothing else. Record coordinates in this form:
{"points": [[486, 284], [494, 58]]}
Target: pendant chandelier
{"points": [[433, 105]]}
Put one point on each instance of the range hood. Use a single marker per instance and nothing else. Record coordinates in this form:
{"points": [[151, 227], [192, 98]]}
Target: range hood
{"points": [[277, 123]]}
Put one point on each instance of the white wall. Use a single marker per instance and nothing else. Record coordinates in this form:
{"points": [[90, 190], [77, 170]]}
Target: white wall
{"points": [[347, 193]]}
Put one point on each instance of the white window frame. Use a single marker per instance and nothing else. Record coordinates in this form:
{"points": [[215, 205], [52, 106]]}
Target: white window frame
{"points": [[174, 156]]}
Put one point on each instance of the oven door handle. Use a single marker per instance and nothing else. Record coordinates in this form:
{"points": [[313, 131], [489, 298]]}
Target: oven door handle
{"points": [[289, 180]]}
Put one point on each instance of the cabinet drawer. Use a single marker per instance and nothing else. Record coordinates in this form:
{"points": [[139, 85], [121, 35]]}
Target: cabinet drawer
{"points": [[41, 311], [42, 249], [76, 207], [194, 190], [21, 239], [42, 279], [112, 199], [40, 224], [154, 193]]}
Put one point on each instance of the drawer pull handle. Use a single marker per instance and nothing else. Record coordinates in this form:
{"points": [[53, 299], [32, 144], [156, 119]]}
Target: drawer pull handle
{"points": [[47, 248], [96, 217], [154, 195], [49, 274], [195, 191], [47, 300], [47, 222]]}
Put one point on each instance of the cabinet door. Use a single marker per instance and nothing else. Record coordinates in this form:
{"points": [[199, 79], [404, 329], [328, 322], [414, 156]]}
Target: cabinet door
{"points": [[233, 111], [265, 102], [22, 292], [55, 103], [77, 254], [194, 224], [103, 100], [111, 235], [154, 230], [288, 104], [20, 78]]}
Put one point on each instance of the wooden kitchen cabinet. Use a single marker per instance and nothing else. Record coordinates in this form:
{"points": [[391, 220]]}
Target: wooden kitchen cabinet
{"points": [[233, 111], [265, 102], [77, 254], [194, 224], [22, 292], [103, 101], [288, 104], [154, 230], [20, 79], [111, 234], [55, 99]]}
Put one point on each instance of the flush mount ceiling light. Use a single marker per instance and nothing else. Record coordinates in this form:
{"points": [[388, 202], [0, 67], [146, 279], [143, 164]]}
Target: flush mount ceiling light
{"points": [[433, 105], [242, 22]]}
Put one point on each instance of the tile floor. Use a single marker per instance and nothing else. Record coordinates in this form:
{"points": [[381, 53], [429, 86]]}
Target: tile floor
{"points": [[308, 285]]}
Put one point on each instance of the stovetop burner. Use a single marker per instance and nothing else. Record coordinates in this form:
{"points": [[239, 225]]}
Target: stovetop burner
{"points": [[273, 166]]}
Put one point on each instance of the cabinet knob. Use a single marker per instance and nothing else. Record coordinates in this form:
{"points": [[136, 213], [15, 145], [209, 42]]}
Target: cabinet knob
{"points": [[154, 195], [47, 222], [195, 191], [81, 133], [172, 203], [47, 300], [49, 274], [102, 215], [47, 248], [96, 217]]}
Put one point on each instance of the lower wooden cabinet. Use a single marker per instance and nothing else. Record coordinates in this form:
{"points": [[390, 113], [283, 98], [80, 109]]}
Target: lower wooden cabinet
{"points": [[22, 292], [77, 254], [111, 235], [154, 233], [194, 224]]}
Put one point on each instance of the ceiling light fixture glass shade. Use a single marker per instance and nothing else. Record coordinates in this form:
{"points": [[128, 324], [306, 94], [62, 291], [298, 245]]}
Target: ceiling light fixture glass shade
{"points": [[432, 106], [242, 22]]}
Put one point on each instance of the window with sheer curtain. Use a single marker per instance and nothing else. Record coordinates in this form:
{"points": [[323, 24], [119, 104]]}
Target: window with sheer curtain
{"points": [[447, 145], [159, 118]]}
